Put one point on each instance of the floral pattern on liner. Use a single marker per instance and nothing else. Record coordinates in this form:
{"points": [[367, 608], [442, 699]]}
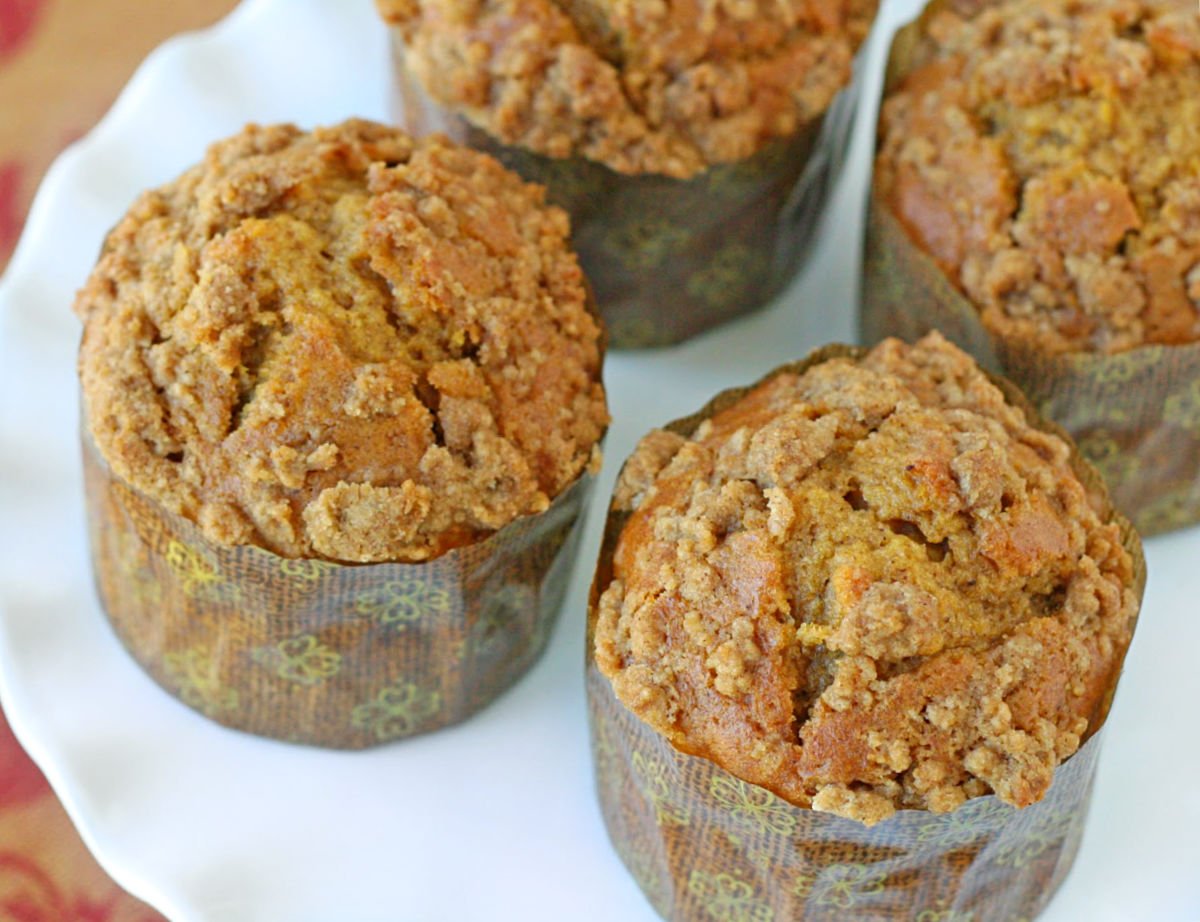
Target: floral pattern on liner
{"points": [[744, 854], [194, 676], [313, 652], [402, 602], [727, 899], [399, 710], [752, 806], [303, 660], [198, 576]]}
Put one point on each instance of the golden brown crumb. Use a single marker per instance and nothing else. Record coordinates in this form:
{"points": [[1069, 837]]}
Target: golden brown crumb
{"points": [[869, 587], [1047, 154], [343, 343], [671, 86]]}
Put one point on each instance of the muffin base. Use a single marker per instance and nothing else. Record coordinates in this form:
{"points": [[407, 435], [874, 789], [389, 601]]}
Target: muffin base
{"points": [[315, 652], [702, 843]]}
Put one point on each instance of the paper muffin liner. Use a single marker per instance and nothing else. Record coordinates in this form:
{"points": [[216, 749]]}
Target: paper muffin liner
{"points": [[705, 845], [309, 651], [1135, 415], [670, 258]]}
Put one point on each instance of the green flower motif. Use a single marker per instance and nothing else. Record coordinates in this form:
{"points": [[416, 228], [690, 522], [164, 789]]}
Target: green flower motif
{"points": [[1118, 370], [196, 675], [945, 915], [494, 629], [1048, 830], [1184, 409], [650, 777], [842, 884], [1102, 450], [645, 243], [402, 602], [753, 806], [199, 577], [964, 826], [727, 899], [728, 277], [397, 711], [304, 571], [761, 860], [303, 660]]}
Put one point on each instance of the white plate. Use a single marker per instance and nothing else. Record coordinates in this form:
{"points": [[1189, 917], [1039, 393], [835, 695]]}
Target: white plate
{"points": [[494, 819]]}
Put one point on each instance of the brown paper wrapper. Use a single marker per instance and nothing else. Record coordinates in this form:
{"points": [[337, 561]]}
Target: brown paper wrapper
{"points": [[704, 844], [1135, 415], [309, 651], [670, 258]]}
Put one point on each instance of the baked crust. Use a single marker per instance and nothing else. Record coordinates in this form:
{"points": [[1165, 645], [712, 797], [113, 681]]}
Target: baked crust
{"points": [[344, 344], [1046, 153], [869, 587], [666, 87]]}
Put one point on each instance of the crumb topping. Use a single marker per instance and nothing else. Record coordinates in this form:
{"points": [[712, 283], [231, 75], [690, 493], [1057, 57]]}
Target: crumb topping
{"points": [[669, 87], [868, 587], [343, 343], [1047, 154]]}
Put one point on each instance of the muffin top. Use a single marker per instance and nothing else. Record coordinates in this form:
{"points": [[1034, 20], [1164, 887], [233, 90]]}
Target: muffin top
{"points": [[344, 344], [669, 87], [870, 586], [1047, 154]]}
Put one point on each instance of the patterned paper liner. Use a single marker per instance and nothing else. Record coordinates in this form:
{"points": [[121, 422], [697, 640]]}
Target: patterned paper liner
{"points": [[309, 651], [1135, 415], [705, 845], [671, 258]]}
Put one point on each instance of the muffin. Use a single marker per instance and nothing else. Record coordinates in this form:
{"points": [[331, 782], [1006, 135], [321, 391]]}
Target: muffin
{"points": [[1037, 198], [854, 632], [692, 143], [341, 397]]}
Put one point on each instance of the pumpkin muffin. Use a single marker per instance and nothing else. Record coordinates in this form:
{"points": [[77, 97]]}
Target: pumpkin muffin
{"points": [[342, 404], [869, 586], [670, 131], [1047, 155], [343, 344], [1037, 199]]}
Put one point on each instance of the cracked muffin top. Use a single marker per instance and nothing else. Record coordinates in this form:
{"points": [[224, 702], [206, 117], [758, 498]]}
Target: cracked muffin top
{"points": [[668, 87], [870, 586], [1046, 153], [344, 344]]}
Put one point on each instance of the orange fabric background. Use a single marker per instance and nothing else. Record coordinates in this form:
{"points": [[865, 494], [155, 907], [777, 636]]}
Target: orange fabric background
{"points": [[62, 63]]}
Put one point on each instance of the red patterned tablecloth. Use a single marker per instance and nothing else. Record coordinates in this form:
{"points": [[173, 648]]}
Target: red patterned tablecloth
{"points": [[62, 63]]}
